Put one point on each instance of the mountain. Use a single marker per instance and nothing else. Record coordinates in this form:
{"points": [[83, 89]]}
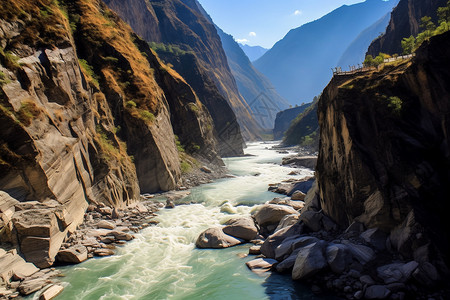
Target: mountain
{"points": [[257, 90], [181, 23], [300, 64], [404, 22], [89, 116], [284, 119], [304, 129], [253, 52], [356, 52]]}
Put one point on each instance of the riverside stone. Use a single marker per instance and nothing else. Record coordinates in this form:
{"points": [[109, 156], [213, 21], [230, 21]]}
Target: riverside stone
{"points": [[106, 225], [261, 264], [309, 261], [338, 257], [255, 250], [74, 255], [312, 220], [362, 253], [29, 286], [397, 272], [377, 292], [292, 243], [243, 228], [270, 214], [13, 265], [287, 220], [298, 195], [51, 292], [103, 252], [215, 238], [375, 237], [270, 244]]}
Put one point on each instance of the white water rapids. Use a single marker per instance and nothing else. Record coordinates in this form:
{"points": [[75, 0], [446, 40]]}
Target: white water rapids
{"points": [[163, 263]]}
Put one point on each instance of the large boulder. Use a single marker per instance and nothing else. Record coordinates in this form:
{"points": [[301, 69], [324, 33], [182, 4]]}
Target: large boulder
{"points": [[361, 253], [215, 238], [312, 220], [270, 214], [338, 257], [51, 292], [243, 228], [14, 266], [288, 220], [377, 292], [375, 237], [310, 260], [397, 272], [290, 244], [73, 255], [274, 240]]}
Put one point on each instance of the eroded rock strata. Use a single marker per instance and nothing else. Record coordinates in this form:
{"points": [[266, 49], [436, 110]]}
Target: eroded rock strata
{"points": [[89, 115]]}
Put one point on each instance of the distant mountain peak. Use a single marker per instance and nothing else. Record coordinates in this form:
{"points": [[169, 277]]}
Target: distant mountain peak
{"points": [[253, 52]]}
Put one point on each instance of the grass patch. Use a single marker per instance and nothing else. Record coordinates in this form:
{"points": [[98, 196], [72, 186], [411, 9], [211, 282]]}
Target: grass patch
{"points": [[89, 70], [146, 115]]}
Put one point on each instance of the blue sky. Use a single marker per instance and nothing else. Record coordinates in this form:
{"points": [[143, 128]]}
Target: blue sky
{"points": [[264, 22]]}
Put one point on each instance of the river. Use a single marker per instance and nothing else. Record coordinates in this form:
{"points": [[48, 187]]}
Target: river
{"points": [[162, 261]]}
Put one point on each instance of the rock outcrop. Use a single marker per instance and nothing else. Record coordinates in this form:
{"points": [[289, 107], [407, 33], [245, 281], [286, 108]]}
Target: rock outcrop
{"points": [[88, 116], [384, 152], [405, 21]]}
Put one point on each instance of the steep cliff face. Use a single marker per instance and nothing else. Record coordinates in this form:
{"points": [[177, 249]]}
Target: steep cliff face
{"points": [[405, 21], [385, 152], [83, 131], [182, 23], [284, 119]]}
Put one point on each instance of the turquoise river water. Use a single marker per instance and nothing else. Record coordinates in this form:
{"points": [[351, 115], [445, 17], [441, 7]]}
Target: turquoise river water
{"points": [[162, 261]]}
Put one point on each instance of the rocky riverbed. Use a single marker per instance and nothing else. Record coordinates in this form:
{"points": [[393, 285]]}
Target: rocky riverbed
{"points": [[292, 235]]}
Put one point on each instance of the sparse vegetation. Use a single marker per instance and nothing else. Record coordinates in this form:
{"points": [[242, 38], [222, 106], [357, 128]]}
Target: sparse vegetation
{"points": [[89, 70], [3, 79], [429, 29], [395, 104], [146, 115], [131, 104]]}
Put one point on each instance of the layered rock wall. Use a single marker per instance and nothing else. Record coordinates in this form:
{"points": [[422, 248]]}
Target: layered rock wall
{"points": [[384, 150]]}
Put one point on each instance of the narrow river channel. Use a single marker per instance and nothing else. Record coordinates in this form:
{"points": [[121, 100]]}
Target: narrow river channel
{"points": [[163, 263]]}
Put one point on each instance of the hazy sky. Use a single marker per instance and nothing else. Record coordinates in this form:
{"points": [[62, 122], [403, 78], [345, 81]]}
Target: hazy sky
{"points": [[264, 22]]}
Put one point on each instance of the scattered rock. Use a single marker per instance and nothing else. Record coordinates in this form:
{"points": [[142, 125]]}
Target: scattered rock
{"points": [[375, 237], [243, 228], [309, 261], [261, 264], [51, 292], [362, 253], [301, 161], [270, 214], [288, 220], [270, 244], [312, 220], [103, 252], [298, 195], [106, 225], [290, 244], [397, 272], [377, 292], [170, 204], [215, 238], [338, 257], [73, 255], [366, 280], [426, 274], [206, 169], [29, 286], [255, 250]]}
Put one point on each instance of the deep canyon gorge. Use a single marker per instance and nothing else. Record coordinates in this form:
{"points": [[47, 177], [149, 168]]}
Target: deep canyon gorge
{"points": [[137, 158]]}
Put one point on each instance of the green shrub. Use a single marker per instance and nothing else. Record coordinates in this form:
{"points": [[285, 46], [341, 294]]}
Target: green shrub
{"points": [[131, 104], [185, 167], [147, 116], [89, 70], [395, 104]]}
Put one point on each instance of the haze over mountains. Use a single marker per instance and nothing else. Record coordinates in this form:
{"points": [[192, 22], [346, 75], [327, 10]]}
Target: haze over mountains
{"points": [[300, 64], [253, 52]]}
